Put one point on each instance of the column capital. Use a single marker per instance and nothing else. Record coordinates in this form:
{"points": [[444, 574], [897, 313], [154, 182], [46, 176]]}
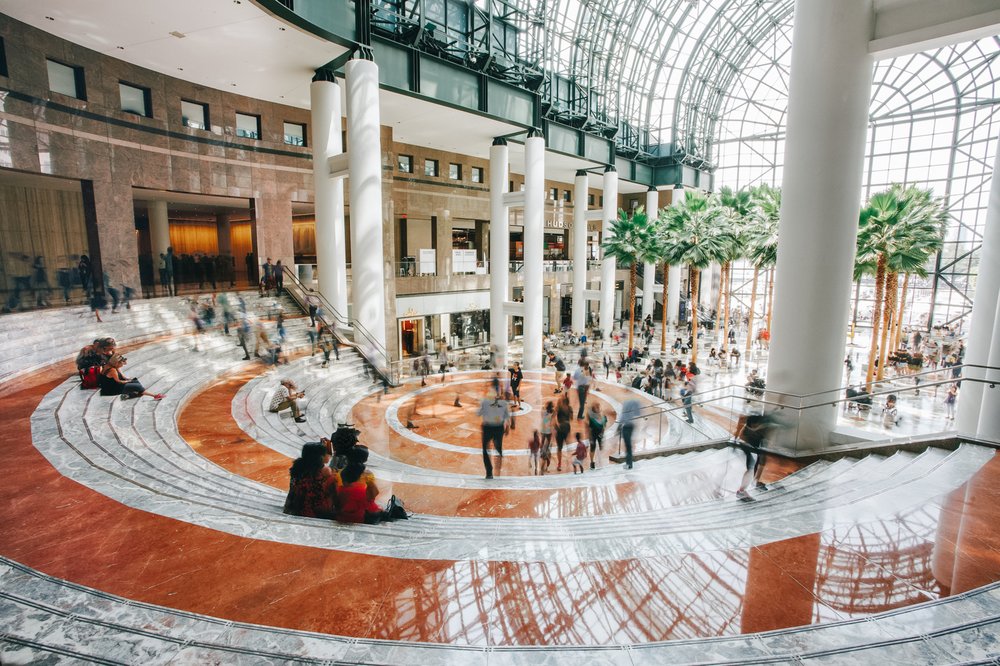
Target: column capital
{"points": [[534, 132], [324, 74], [652, 188], [499, 141], [364, 52], [582, 172], [610, 169]]}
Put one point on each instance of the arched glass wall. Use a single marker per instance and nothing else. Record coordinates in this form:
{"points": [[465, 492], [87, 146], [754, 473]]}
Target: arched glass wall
{"points": [[934, 122]]}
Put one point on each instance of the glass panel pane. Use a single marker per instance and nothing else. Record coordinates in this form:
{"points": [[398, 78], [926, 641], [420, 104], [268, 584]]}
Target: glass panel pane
{"points": [[193, 115], [295, 134], [247, 126], [62, 79], [133, 99]]}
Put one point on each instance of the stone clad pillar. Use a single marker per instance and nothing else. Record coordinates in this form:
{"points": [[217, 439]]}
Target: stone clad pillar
{"points": [[365, 167], [534, 241], [499, 247], [579, 251], [648, 268], [829, 92], [983, 322], [331, 245], [610, 210], [159, 229], [673, 294]]}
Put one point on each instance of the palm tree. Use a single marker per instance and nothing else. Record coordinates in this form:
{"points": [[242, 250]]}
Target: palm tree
{"points": [[738, 206], [898, 231], [762, 243], [631, 242], [694, 233]]}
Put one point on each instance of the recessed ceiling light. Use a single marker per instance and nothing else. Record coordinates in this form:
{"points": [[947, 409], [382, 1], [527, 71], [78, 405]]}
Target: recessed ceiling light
{"points": [[281, 28], [234, 85], [121, 48], [180, 69], [177, 33], [50, 18]]}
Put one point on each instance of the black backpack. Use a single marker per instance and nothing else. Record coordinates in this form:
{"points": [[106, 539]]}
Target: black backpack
{"points": [[394, 510]]}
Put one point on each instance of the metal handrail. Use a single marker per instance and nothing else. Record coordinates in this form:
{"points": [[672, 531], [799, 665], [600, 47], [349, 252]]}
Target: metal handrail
{"points": [[372, 350]]}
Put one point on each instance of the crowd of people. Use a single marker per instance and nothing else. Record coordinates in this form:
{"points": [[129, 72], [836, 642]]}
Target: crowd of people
{"points": [[330, 479], [100, 366]]}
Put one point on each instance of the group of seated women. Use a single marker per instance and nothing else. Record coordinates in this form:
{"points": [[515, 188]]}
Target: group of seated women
{"points": [[100, 366], [343, 489]]}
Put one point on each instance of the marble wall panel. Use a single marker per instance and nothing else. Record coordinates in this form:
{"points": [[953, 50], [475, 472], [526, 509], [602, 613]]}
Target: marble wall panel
{"points": [[273, 227]]}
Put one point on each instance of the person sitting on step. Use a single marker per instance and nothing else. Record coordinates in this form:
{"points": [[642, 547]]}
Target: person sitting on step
{"points": [[113, 382], [312, 487], [285, 397]]}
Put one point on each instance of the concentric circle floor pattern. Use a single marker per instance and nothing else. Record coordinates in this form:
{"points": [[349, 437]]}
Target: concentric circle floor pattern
{"points": [[663, 553]]}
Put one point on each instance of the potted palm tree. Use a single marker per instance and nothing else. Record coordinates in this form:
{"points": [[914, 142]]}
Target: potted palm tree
{"points": [[694, 233], [738, 207], [897, 230], [762, 243], [631, 243]]}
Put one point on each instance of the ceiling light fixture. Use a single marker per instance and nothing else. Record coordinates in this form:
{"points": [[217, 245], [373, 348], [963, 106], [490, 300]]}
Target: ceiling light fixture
{"points": [[121, 48], [178, 34], [50, 18]]}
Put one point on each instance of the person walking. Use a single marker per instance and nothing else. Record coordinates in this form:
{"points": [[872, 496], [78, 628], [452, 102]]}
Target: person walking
{"points": [[629, 414], [564, 416], [597, 422], [560, 368], [687, 393], [495, 414], [949, 400], [581, 377], [516, 376], [170, 263]]}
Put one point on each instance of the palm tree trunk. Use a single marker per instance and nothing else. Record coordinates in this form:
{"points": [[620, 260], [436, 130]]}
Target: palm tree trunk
{"points": [[727, 272], [663, 332], [902, 308], [694, 313], [632, 275], [753, 303], [888, 313], [876, 316], [718, 298], [770, 299]]}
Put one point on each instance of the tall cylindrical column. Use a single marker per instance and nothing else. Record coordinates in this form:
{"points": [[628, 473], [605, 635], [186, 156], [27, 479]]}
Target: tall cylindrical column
{"points": [[499, 247], [610, 210], [983, 322], [364, 162], [534, 240], [829, 92], [159, 229], [331, 246], [649, 269], [673, 293], [989, 417], [579, 251]]}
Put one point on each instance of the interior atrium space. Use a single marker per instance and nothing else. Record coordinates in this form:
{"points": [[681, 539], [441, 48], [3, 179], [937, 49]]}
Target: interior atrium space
{"points": [[500, 332]]}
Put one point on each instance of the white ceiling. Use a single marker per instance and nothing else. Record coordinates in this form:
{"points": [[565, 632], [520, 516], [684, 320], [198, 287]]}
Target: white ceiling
{"points": [[235, 46]]}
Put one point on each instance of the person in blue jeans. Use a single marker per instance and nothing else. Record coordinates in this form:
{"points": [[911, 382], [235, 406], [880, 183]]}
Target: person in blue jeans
{"points": [[686, 395], [495, 414], [629, 414]]}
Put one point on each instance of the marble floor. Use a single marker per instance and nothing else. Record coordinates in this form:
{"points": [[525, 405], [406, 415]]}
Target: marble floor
{"points": [[671, 554]]}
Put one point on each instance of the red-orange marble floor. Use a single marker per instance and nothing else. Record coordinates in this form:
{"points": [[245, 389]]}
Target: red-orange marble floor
{"points": [[67, 530]]}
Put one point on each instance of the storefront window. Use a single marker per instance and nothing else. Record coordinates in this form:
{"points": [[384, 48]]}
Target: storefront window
{"points": [[469, 329]]}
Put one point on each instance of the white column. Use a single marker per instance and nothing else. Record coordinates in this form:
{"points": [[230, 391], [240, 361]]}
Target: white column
{"points": [[534, 240], [673, 293], [331, 247], [989, 418], [580, 186], [364, 163], [983, 321], [649, 269], [499, 247], [829, 92], [159, 230], [607, 315]]}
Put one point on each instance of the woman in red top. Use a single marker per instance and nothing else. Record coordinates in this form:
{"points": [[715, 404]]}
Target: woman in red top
{"points": [[358, 492], [313, 486]]}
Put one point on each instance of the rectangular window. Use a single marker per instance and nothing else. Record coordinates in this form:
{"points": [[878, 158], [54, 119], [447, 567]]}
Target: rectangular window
{"points": [[455, 171], [404, 163], [602, 201], [477, 174], [590, 199], [295, 134], [248, 126], [567, 195], [554, 194], [135, 99], [66, 80], [3, 58], [430, 167], [194, 114]]}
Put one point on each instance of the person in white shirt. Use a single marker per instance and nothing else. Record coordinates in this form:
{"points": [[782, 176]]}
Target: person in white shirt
{"points": [[496, 415], [285, 397], [581, 377]]}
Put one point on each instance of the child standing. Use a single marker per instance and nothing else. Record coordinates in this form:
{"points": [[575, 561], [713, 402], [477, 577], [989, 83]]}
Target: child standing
{"points": [[949, 401], [534, 448], [580, 455]]}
